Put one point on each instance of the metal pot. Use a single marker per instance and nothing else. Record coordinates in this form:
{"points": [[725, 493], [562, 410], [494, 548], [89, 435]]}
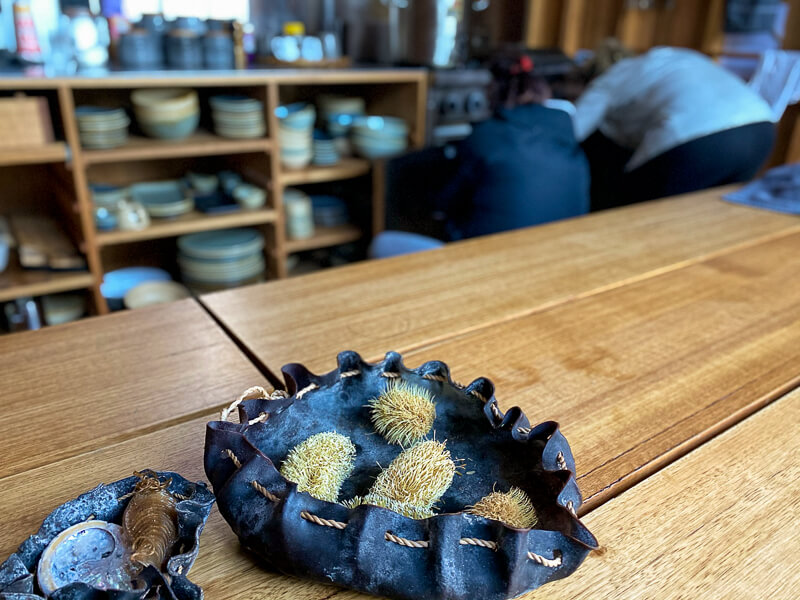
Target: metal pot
{"points": [[428, 32]]}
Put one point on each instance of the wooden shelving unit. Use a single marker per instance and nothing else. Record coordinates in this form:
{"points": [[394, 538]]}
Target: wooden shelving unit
{"points": [[50, 153], [189, 223], [399, 92], [344, 169], [16, 282], [324, 237], [201, 143]]}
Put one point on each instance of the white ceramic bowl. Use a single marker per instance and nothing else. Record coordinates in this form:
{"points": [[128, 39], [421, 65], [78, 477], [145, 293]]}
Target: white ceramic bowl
{"points": [[155, 292]]}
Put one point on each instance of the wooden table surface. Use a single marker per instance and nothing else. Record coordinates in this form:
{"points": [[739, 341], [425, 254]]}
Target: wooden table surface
{"points": [[663, 337]]}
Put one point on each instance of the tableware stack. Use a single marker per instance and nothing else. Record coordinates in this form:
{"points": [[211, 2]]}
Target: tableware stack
{"points": [[101, 128], [378, 136], [225, 258], [166, 113], [238, 116], [325, 152], [299, 214], [163, 199], [329, 211], [106, 200], [338, 114], [295, 135]]}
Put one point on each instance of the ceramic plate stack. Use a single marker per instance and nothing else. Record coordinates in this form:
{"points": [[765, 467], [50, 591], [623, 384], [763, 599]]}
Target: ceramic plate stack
{"points": [[163, 199], [101, 128], [378, 137], [238, 116], [338, 114], [218, 259], [295, 135], [169, 114], [325, 152]]}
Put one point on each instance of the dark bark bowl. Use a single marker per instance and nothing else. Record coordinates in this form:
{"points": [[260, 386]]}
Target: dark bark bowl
{"points": [[452, 555], [18, 573]]}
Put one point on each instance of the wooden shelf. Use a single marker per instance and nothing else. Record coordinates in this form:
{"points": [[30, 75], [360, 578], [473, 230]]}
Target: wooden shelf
{"points": [[189, 223], [50, 153], [201, 143], [324, 237], [345, 169], [16, 282]]}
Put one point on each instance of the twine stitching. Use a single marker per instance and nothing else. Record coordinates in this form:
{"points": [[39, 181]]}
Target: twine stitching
{"points": [[320, 521], [390, 374], [478, 542], [571, 508], [524, 430], [125, 496], [434, 377], [264, 491], [261, 418], [562, 464], [478, 395], [309, 388], [248, 394], [347, 374], [390, 537], [546, 562], [234, 458]]}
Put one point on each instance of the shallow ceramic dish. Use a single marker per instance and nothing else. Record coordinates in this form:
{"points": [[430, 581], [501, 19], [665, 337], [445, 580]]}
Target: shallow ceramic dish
{"points": [[155, 292], [163, 199], [222, 244], [117, 283], [452, 555], [250, 196], [107, 502]]}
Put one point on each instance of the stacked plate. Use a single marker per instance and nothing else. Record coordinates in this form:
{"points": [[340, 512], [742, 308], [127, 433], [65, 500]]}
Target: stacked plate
{"points": [[329, 211], [325, 152], [378, 137], [238, 116], [168, 114], [163, 199], [338, 114], [295, 135], [102, 128], [221, 258]]}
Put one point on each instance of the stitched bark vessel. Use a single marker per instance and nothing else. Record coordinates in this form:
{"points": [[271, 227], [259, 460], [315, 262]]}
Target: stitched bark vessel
{"points": [[451, 555], [18, 573]]}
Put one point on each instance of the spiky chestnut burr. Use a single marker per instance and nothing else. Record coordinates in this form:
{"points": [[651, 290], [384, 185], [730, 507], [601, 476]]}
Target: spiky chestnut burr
{"points": [[320, 464]]}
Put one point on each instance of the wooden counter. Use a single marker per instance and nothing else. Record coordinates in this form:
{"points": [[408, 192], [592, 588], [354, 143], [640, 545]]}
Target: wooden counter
{"points": [[663, 337]]}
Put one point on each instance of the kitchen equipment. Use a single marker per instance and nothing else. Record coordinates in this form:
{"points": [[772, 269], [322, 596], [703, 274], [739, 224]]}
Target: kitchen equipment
{"points": [[154, 292], [221, 258], [163, 199], [166, 113], [238, 116], [250, 196], [117, 283], [100, 127], [428, 32], [299, 214], [22, 314], [63, 308], [90, 36]]}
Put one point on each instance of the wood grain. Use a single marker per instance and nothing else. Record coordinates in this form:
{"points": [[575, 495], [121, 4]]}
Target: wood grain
{"points": [[719, 523], [86, 384], [405, 302], [639, 375]]}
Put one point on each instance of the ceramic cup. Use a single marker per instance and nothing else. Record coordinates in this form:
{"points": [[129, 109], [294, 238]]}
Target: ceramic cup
{"points": [[132, 216]]}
